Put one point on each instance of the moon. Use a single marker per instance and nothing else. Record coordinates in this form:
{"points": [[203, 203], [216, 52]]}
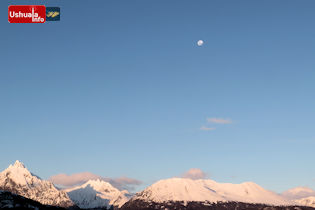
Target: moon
{"points": [[200, 43]]}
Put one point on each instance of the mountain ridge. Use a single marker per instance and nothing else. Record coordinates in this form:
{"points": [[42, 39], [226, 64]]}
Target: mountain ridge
{"points": [[183, 193], [184, 189]]}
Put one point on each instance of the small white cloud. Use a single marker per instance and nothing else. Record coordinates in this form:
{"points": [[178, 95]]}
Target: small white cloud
{"points": [[194, 173], [200, 43], [219, 120], [204, 128]]}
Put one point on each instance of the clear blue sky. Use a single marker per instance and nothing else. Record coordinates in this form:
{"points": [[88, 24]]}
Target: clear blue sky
{"points": [[121, 88]]}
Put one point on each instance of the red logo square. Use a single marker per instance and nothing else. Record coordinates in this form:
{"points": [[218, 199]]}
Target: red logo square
{"points": [[27, 14]]}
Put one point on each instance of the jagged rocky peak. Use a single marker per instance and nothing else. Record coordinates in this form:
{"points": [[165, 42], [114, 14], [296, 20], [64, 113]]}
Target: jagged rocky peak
{"points": [[18, 174], [18, 164], [19, 180]]}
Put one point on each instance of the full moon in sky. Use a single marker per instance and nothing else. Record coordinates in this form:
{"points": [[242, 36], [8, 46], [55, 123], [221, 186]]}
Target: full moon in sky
{"points": [[200, 43]]}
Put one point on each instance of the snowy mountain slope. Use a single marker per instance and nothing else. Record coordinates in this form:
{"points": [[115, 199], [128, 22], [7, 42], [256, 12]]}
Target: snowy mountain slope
{"points": [[97, 193], [9, 200], [298, 193], [17, 179], [181, 189], [308, 201]]}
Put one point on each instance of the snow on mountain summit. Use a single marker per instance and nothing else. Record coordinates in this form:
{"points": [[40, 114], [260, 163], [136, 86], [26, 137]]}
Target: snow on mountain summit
{"points": [[182, 189], [19, 180], [18, 164], [97, 193]]}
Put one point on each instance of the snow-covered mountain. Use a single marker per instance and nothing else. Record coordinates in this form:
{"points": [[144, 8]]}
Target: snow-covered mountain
{"points": [[97, 193], [188, 190], [298, 193], [9, 200], [17, 179], [304, 196], [308, 201]]}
